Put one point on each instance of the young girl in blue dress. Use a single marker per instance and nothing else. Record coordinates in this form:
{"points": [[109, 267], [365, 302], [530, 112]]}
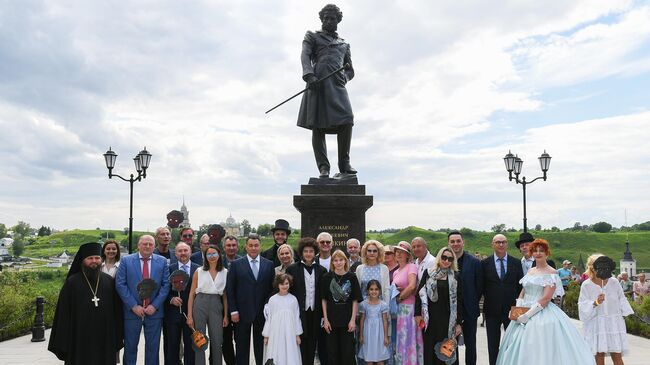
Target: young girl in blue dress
{"points": [[373, 337]]}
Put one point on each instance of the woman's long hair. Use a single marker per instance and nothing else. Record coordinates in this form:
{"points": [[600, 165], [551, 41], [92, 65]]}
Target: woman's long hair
{"points": [[206, 264]]}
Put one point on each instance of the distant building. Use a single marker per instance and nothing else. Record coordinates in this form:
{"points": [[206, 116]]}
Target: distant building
{"points": [[186, 216], [628, 263], [5, 244], [63, 258], [232, 227]]}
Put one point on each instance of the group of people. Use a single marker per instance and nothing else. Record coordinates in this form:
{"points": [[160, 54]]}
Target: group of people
{"points": [[637, 289], [369, 302]]}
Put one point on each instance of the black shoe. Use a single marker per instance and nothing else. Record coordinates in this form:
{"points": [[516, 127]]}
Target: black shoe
{"points": [[347, 169], [324, 172]]}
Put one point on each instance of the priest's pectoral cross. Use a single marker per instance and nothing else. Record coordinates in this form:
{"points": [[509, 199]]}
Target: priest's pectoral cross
{"points": [[95, 299]]}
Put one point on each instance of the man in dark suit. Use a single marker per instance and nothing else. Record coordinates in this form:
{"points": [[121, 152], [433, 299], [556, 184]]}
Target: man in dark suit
{"points": [[174, 321], [249, 285], [281, 232], [501, 275], [306, 275], [471, 277], [163, 238], [138, 313]]}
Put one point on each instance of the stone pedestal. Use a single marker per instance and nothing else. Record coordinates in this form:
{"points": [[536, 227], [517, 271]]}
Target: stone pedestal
{"points": [[337, 206]]}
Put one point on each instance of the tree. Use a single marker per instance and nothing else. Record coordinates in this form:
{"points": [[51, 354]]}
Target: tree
{"points": [[44, 231], [602, 227], [466, 232], [538, 227], [246, 227], [18, 247], [22, 229], [577, 226], [555, 229], [3, 230], [264, 229], [498, 228]]}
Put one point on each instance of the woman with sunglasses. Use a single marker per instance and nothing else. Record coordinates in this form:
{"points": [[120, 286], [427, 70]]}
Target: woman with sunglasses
{"points": [[439, 303], [372, 268], [208, 304]]}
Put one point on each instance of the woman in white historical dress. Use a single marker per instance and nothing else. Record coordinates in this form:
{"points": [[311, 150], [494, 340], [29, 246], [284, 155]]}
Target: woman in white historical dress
{"points": [[282, 328], [602, 306], [544, 327]]}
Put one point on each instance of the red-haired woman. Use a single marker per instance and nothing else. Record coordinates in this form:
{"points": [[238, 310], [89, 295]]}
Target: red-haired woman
{"points": [[544, 325]]}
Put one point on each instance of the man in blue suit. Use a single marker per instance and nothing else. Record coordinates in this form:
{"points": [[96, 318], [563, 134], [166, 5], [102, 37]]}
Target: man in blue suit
{"points": [[138, 313], [249, 285], [175, 303], [471, 277]]}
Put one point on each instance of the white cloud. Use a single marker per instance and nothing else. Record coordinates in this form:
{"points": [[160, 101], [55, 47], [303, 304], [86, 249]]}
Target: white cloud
{"points": [[191, 82]]}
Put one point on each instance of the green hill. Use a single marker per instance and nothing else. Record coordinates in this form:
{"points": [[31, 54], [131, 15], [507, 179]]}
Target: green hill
{"points": [[564, 245]]}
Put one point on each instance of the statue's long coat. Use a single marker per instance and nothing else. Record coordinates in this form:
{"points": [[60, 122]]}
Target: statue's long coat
{"points": [[328, 107]]}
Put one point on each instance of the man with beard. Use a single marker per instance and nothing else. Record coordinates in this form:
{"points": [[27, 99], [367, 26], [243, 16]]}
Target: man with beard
{"points": [[325, 106], [87, 326], [281, 232], [163, 238]]}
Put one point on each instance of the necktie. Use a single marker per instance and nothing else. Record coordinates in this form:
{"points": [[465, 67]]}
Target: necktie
{"points": [[502, 273], [145, 275], [186, 269], [254, 268]]}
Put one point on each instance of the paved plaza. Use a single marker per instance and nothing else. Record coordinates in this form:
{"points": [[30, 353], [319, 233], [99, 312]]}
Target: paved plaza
{"points": [[22, 351]]}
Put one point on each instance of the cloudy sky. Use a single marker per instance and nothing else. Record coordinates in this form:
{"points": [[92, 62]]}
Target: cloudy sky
{"points": [[443, 89]]}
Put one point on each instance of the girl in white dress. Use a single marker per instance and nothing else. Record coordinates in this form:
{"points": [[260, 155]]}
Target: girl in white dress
{"points": [[282, 328], [602, 306]]}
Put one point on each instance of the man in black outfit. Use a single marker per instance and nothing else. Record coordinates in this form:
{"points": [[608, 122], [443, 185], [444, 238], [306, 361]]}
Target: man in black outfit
{"points": [[281, 232], [306, 275], [501, 275]]}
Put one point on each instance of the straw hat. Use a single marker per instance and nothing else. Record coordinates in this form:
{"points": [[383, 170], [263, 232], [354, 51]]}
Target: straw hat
{"points": [[403, 246]]}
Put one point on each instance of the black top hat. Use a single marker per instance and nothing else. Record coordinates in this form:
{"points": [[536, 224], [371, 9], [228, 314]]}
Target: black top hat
{"points": [[524, 238], [281, 224]]}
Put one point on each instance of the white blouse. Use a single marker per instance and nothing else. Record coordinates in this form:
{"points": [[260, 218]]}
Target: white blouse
{"points": [[206, 285]]}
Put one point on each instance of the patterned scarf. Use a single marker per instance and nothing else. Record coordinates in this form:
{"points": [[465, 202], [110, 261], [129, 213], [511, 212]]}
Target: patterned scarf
{"points": [[430, 292]]}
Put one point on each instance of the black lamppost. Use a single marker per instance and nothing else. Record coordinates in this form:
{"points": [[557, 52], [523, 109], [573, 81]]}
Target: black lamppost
{"points": [[141, 161], [514, 163]]}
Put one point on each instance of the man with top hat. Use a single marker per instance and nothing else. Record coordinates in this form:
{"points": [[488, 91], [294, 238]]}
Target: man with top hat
{"points": [[135, 270], [87, 302], [527, 260], [281, 232]]}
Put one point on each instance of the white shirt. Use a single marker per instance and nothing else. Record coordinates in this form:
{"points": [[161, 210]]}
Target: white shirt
{"points": [[325, 262], [526, 264], [206, 285], [310, 288], [188, 264], [429, 261]]}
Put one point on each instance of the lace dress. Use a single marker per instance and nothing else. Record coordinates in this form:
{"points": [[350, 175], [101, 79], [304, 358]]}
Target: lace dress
{"points": [[549, 334], [604, 325]]}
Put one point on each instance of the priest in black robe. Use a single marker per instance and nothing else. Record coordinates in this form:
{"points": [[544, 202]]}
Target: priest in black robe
{"points": [[87, 326]]}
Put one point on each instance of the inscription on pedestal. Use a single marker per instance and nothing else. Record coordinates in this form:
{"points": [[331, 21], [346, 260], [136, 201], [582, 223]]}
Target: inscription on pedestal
{"points": [[337, 209]]}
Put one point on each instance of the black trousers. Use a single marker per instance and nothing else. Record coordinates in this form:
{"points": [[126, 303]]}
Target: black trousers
{"points": [[243, 341], [309, 338], [493, 328], [323, 355], [469, 334], [175, 331], [227, 348], [343, 138], [341, 345]]}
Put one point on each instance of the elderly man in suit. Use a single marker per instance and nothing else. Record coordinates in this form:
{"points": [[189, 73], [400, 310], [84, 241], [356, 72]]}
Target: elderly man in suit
{"points": [[139, 313], [471, 278], [249, 285], [176, 302], [501, 275]]}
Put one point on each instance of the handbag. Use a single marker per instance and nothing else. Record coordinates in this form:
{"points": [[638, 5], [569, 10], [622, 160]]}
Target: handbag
{"points": [[515, 312]]}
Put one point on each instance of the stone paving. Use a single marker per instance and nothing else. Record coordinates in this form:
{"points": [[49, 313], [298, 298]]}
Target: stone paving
{"points": [[22, 351]]}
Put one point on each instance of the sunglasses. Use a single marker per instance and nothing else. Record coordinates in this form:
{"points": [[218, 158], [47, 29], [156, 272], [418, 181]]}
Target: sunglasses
{"points": [[447, 258], [211, 255], [325, 242], [372, 251], [188, 235]]}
